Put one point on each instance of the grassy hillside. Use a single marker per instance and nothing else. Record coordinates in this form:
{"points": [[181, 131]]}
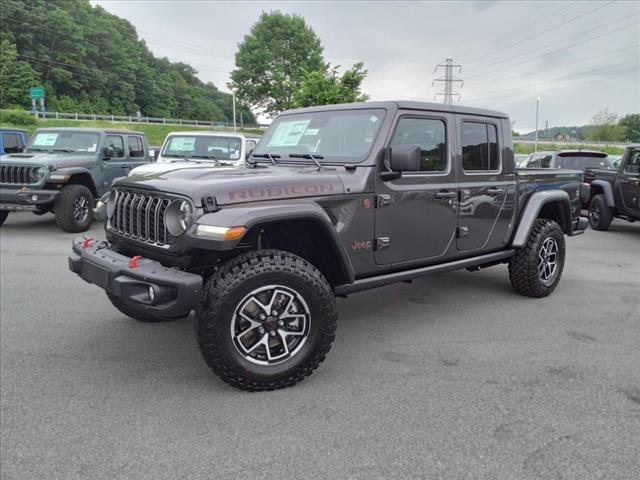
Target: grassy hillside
{"points": [[155, 133], [528, 147]]}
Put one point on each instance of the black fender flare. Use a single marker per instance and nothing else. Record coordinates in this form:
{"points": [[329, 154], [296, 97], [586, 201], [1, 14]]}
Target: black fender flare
{"points": [[255, 215], [63, 175], [532, 210], [608, 191]]}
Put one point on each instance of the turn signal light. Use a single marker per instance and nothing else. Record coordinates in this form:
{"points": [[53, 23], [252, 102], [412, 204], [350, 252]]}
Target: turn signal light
{"points": [[220, 233]]}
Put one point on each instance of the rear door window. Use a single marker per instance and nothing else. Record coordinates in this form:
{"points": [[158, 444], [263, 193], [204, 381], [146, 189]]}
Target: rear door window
{"points": [[136, 147], [480, 150], [633, 165]]}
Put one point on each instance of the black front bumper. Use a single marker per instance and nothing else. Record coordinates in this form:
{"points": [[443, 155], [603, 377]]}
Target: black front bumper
{"points": [[13, 199], [176, 292]]}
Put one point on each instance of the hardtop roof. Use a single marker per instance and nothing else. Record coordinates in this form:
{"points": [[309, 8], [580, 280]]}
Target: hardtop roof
{"points": [[405, 105]]}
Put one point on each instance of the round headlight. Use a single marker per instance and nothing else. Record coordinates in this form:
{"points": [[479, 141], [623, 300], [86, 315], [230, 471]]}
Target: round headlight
{"points": [[39, 173], [178, 217], [111, 202]]}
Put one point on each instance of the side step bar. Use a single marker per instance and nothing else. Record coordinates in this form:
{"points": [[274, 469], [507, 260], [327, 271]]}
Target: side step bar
{"points": [[395, 277]]}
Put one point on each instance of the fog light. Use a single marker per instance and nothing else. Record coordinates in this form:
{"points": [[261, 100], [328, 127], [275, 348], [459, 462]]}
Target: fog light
{"points": [[34, 198], [152, 293]]}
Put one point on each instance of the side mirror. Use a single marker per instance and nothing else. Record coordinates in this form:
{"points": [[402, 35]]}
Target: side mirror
{"points": [[405, 158], [248, 154], [107, 152]]}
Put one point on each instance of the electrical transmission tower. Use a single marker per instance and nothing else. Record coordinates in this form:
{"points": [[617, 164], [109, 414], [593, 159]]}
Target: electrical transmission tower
{"points": [[448, 80]]}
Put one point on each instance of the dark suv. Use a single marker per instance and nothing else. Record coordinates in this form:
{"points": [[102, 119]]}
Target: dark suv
{"points": [[334, 200]]}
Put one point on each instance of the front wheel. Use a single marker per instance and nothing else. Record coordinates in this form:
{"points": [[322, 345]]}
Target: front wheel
{"points": [[535, 269], [266, 320], [73, 208]]}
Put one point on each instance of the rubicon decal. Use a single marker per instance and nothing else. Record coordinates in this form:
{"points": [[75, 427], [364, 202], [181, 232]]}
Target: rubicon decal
{"points": [[279, 192]]}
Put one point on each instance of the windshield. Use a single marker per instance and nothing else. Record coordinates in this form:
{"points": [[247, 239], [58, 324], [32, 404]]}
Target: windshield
{"points": [[64, 141], [342, 136], [579, 162], [203, 147]]}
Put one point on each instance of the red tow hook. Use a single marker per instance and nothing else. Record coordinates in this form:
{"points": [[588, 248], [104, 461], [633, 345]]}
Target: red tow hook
{"points": [[86, 242], [133, 263]]}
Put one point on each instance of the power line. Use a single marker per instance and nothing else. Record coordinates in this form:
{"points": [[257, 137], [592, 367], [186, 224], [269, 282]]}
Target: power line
{"points": [[570, 85], [613, 52], [537, 34], [566, 47], [520, 87], [519, 30]]}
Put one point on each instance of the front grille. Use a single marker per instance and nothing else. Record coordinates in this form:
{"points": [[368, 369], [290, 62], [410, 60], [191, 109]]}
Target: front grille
{"points": [[140, 216], [17, 174]]}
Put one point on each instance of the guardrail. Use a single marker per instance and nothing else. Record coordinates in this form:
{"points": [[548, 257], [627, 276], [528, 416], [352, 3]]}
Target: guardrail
{"points": [[586, 143], [138, 119]]}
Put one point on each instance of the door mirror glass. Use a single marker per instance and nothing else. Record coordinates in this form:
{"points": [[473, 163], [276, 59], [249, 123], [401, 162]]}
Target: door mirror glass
{"points": [[405, 158]]}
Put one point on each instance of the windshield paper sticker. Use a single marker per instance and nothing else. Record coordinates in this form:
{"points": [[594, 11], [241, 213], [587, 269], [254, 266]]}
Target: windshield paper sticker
{"points": [[288, 134], [45, 140], [182, 143]]}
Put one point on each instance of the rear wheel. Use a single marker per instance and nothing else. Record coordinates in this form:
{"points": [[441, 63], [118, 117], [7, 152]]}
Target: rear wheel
{"points": [[600, 214], [266, 320], [3, 216], [535, 269], [73, 208]]}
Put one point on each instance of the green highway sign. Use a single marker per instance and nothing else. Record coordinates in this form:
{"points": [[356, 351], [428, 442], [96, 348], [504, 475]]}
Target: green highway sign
{"points": [[36, 92]]}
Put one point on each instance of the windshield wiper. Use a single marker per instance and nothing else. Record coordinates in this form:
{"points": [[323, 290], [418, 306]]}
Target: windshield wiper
{"points": [[174, 156], [267, 155], [208, 157], [65, 150], [309, 156], [37, 150]]}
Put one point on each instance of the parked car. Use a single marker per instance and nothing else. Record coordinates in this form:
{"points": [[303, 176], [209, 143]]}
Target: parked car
{"points": [[63, 170], [569, 159], [183, 149], [521, 158], [615, 193], [334, 200], [13, 140]]}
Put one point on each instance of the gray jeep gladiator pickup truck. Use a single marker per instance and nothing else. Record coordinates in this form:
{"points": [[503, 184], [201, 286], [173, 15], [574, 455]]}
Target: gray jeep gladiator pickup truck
{"points": [[334, 200], [615, 193], [63, 170]]}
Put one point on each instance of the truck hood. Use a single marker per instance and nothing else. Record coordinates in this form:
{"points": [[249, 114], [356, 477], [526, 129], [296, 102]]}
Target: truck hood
{"points": [[231, 185], [50, 160]]}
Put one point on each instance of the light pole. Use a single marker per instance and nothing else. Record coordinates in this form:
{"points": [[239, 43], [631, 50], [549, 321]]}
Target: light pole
{"points": [[535, 147], [234, 110]]}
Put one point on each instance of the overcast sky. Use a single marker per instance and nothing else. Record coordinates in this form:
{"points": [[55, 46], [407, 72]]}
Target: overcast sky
{"points": [[511, 51]]}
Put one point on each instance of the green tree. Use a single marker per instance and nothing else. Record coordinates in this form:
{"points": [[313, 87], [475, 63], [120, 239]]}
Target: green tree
{"points": [[631, 127], [16, 76], [327, 87], [605, 127], [91, 61], [273, 58]]}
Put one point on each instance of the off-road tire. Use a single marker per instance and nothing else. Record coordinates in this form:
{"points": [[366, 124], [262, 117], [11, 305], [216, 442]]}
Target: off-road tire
{"points": [[3, 216], [222, 295], [600, 214], [136, 314], [65, 205], [523, 266]]}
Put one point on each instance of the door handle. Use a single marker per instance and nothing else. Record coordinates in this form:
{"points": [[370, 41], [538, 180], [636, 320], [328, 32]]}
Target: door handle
{"points": [[125, 166], [444, 194], [494, 191]]}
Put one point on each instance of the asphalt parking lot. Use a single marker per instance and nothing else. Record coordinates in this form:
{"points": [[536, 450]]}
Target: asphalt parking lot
{"points": [[452, 376]]}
